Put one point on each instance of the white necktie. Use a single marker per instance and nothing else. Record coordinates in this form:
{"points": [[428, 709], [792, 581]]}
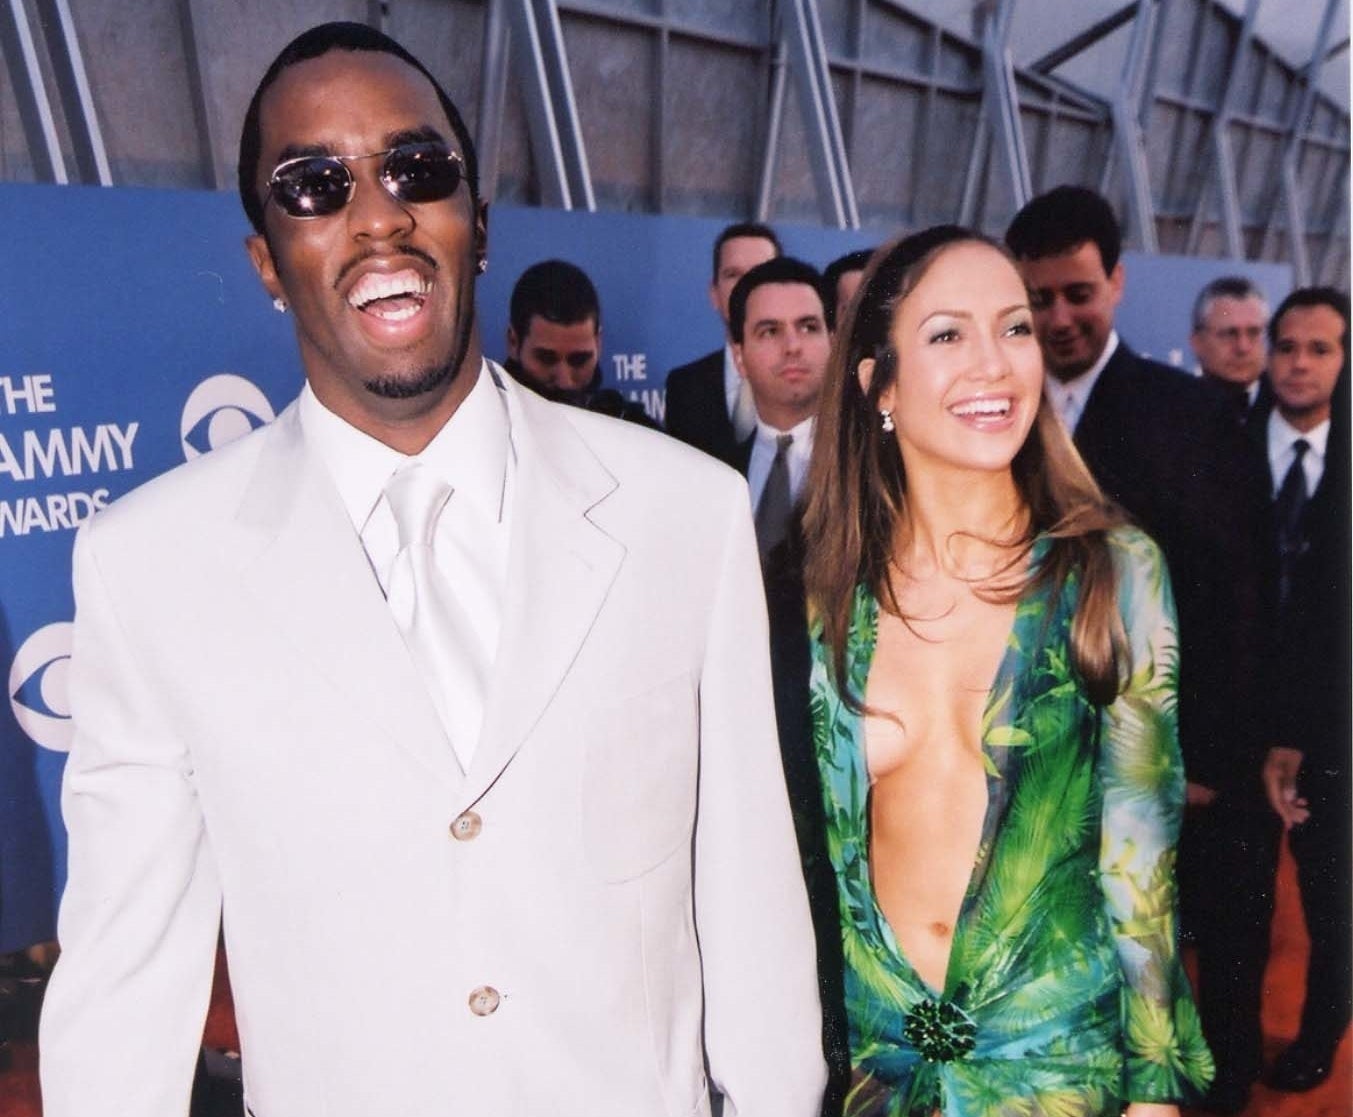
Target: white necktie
{"points": [[424, 605]]}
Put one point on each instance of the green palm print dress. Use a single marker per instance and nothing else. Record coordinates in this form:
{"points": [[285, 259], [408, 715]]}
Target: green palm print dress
{"points": [[1064, 993]]}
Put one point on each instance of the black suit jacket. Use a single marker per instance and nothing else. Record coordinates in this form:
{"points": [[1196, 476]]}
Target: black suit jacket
{"points": [[791, 666], [697, 408], [1172, 455], [1307, 677]]}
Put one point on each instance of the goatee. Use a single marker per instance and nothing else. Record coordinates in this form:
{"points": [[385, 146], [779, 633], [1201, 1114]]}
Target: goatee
{"points": [[433, 377]]}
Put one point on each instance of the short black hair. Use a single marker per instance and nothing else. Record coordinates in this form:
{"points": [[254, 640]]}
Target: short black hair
{"points": [[1331, 297], [831, 276], [744, 229], [1061, 221], [1224, 287], [782, 269], [315, 43], [555, 290]]}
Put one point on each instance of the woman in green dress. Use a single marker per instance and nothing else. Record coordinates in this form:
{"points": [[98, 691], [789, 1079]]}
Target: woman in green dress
{"points": [[993, 705]]}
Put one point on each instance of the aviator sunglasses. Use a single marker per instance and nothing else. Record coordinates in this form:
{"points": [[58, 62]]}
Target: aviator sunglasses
{"points": [[320, 185]]}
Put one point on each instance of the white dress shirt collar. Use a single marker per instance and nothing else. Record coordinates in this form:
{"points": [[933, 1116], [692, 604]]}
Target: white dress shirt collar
{"points": [[1282, 435], [470, 452], [802, 432], [1073, 394]]}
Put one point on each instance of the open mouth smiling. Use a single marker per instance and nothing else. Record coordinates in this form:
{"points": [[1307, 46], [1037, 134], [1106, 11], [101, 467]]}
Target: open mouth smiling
{"points": [[391, 297], [988, 408]]}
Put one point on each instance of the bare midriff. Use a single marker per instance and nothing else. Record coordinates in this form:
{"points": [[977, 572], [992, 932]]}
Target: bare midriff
{"points": [[929, 683]]}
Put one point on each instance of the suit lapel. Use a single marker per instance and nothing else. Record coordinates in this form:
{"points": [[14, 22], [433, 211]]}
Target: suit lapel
{"points": [[560, 568], [311, 577], [1095, 432], [742, 455]]}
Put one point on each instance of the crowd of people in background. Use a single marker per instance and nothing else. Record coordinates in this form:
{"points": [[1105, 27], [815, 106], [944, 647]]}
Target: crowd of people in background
{"points": [[1252, 529], [1059, 639]]}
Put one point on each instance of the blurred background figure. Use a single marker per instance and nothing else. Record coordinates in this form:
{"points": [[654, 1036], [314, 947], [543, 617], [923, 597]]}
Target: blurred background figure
{"points": [[554, 340], [840, 280], [1164, 448], [708, 405], [780, 342], [1230, 317], [1304, 443]]}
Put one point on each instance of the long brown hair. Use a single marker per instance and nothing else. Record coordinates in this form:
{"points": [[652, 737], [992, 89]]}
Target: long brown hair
{"points": [[857, 486]]}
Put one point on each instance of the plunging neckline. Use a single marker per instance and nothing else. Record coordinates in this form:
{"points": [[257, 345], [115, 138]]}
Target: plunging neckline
{"points": [[1001, 684]]}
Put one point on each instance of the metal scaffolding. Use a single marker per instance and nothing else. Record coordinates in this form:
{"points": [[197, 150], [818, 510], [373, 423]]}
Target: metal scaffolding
{"points": [[680, 106]]}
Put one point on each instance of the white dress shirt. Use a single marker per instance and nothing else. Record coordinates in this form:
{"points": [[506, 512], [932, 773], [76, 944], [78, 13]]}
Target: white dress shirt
{"points": [[732, 379], [1069, 397], [473, 454], [763, 454], [1282, 435]]}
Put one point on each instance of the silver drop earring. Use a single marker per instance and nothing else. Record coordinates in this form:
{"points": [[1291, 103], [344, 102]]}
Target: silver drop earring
{"points": [[279, 304], [886, 421]]}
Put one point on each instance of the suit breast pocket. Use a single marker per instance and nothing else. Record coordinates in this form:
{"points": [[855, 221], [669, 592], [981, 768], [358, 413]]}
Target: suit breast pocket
{"points": [[641, 760]]}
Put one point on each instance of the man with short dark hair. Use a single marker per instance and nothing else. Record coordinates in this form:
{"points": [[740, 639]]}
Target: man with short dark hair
{"points": [[1229, 318], [1305, 447], [777, 323], [1166, 449], [554, 328], [840, 280], [429, 664], [707, 404], [554, 340]]}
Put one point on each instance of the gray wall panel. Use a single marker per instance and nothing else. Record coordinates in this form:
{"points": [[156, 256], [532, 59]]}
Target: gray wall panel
{"points": [[613, 81], [889, 123], [140, 82], [795, 195], [907, 89], [712, 151]]}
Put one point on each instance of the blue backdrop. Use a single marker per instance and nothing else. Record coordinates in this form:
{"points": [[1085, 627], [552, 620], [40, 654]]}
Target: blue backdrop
{"points": [[133, 334]]}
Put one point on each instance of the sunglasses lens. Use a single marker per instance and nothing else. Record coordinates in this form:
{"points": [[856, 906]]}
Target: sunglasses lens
{"points": [[312, 187], [422, 172]]}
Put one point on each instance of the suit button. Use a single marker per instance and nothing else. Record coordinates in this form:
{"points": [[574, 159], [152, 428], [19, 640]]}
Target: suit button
{"points": [[485, 1000], [466, 828]]}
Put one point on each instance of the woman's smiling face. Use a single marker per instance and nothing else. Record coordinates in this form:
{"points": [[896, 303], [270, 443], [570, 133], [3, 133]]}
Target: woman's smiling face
{"points": [[969, 371]]}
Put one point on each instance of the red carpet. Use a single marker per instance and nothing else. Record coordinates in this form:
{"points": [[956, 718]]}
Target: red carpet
{"points": [[1282, 1010]]}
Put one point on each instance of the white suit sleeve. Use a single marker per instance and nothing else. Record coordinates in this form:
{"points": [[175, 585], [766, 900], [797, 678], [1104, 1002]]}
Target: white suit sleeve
{"points": [[123, 1016], [762, 1017]]}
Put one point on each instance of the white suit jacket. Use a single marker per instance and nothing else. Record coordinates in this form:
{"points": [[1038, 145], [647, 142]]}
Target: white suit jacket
{"points": [[603, 910]]}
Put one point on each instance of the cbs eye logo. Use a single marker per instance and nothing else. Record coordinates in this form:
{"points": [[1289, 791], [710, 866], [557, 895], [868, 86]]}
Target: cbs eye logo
{"points": [[219, 410], [37, 687]]}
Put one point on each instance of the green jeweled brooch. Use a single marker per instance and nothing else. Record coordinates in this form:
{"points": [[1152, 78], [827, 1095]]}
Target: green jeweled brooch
{"points": [[940, 1031]]}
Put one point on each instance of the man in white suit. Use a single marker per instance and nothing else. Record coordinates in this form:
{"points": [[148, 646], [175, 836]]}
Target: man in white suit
{"points": [[577, 861]]}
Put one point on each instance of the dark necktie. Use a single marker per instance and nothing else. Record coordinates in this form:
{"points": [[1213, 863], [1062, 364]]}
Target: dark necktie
{"points": [[772, 512], [1287, 509]]}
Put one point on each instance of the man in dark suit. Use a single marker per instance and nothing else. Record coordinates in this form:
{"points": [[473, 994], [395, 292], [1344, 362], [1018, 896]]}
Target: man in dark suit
{"points": [[781, 343], [1166, 449], [1229, 317], [1303, 445], [778, 324], [707, 405]]}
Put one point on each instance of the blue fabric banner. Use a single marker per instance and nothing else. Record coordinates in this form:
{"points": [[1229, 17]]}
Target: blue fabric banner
{"points": [[134, 335]]}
